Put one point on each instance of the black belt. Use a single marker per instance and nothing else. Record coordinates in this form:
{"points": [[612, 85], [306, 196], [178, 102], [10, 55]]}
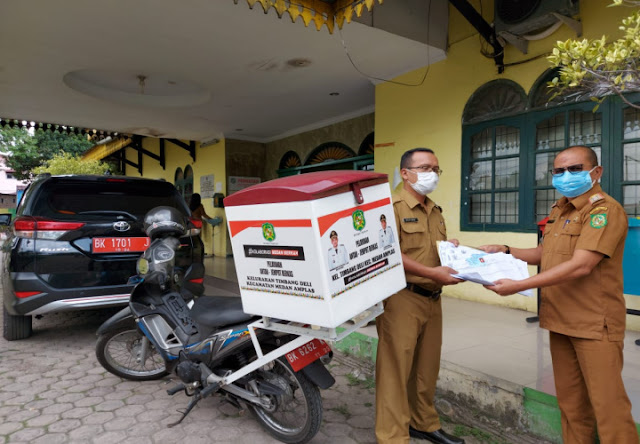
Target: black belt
{"points": [[435, 295]]}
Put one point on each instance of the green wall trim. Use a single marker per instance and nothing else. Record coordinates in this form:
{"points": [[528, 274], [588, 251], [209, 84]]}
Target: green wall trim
{"points": [[541, 409], [542, 414]]}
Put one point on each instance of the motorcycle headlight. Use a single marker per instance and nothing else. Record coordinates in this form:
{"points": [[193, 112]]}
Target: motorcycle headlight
{"points": [[142, 266]]}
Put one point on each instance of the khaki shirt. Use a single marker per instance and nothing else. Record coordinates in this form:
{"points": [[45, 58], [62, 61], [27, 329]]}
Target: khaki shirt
{"points": [[420, 225], [589, 306]]}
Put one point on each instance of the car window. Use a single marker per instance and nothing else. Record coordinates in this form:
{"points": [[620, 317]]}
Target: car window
{"points": [[68, 200]]}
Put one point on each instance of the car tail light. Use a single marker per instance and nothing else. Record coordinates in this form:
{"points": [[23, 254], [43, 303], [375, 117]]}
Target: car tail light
{"points": [[26, 294], [39, 228], [197, 227]]}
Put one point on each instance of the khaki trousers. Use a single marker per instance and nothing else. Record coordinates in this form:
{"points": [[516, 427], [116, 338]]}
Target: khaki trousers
{"points": [[588, 376], [407, 366]]}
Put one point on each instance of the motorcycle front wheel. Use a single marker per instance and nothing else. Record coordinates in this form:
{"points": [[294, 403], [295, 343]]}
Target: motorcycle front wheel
{"points": [[295, 415], [127, 353]]}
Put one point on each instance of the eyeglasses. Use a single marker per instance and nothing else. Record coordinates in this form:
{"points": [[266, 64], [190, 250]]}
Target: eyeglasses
{"points": [[573, 169], [426, 169]]}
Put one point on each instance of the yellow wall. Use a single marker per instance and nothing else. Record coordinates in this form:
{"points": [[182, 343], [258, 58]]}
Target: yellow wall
{"points": [[430, 115], [209, 160]]}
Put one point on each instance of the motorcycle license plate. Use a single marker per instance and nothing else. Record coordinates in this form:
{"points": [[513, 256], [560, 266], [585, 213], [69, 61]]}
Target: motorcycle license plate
{"points": [[304, 355], [120, 244]]}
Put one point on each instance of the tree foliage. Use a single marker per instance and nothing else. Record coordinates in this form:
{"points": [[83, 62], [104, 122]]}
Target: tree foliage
{"points": [[27, 152], [67, 163], [597, 67]]}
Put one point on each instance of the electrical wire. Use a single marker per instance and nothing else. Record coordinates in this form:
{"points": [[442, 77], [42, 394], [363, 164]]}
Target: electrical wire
{"points": [[484, 44], [371, 77]]}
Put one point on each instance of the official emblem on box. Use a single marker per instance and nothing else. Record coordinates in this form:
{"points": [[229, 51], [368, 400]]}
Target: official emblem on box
{"points": [[268, 232], [358, 220], [598, 220]]}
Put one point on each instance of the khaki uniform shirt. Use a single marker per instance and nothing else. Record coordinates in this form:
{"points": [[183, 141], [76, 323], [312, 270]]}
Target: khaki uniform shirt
{"points": [[420, 225], [589, 306]]}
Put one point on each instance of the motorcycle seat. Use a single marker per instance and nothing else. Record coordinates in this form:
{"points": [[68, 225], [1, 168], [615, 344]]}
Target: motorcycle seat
{"points": [[216, 311]]}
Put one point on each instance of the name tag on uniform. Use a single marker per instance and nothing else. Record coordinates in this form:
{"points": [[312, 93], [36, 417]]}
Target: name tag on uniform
{"points": [[410, 219]]}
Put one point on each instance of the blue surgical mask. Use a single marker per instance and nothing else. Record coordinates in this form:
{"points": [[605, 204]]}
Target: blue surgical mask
{"points": [[573, 184]]}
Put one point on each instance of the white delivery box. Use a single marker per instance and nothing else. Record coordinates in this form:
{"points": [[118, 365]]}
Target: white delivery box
{"points": [[317, 248]]}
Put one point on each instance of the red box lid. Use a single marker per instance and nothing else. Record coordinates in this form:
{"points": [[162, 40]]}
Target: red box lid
{"points": [[307, 186]]}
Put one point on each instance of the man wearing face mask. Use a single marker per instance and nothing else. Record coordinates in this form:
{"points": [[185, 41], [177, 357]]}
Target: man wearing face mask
{"points": [[582, 303], [410, 329]]}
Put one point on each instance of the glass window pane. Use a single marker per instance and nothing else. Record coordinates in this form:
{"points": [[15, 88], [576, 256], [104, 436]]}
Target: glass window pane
{"points": [[480, 177], [480, 208], [631, 161], [506, 208], [481, 144], [544, 200], [507, 141], [507, 172], [598, 151], [631, 124], [585, 128], [550, 133], [544, 162], [631, 199]]}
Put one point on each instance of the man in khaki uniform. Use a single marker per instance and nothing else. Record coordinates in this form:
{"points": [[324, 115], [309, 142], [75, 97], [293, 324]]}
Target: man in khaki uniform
{"points": [[410, 329], [582, 302]]}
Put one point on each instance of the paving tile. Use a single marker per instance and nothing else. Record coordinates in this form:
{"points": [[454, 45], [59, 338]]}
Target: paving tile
{"points": [[53, 390]]}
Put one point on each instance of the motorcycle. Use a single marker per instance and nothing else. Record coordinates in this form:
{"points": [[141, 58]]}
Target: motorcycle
{"points": [[211, 345]]}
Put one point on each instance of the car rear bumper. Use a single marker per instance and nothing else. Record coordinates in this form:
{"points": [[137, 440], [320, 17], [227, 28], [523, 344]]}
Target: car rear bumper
{"points": [[50, 299], [82, 303]]}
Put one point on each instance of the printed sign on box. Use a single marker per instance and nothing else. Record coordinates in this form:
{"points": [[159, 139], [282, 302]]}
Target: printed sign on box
{"points": [[361, 245], [278, 258]]}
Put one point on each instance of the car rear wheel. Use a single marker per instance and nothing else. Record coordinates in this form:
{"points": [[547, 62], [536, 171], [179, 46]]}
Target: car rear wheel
{"points": [[15, 327]]}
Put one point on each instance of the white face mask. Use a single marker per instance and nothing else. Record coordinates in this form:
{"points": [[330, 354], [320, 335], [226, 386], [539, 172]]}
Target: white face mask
{"points": [[426, 183]]}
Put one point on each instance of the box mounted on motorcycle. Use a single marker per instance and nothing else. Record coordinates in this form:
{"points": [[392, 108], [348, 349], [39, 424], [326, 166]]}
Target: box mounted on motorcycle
{"points": [[309, 249]]}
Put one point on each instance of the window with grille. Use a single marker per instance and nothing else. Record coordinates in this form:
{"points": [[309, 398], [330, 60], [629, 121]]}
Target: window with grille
{"points": [[506, 161], [630, 127], [493, 174]]}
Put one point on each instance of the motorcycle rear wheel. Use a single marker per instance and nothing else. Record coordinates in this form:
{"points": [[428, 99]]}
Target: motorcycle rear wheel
{"points": [[296, 415], [122, 352]]}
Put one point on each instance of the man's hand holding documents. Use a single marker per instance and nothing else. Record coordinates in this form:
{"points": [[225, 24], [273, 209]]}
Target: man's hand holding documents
{"points": [[480, 267]]}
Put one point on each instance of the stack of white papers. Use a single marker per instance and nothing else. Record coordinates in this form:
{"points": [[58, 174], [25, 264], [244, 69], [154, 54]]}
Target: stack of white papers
{"points": [[480, 267]]}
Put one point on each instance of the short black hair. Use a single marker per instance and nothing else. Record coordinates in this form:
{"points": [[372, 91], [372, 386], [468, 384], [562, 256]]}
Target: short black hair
{"points": [[195, 201], [405, 160]]}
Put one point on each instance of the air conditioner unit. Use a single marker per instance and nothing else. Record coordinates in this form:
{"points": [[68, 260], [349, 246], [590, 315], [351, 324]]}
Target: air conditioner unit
{"points": [[517, 21]]}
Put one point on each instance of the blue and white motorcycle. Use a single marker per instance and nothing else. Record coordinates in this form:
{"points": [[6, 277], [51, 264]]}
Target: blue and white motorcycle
{"points": [[211, 345]]}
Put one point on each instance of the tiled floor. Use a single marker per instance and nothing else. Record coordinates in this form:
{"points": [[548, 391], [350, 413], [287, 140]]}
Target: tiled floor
{"points": [[497, 341]]}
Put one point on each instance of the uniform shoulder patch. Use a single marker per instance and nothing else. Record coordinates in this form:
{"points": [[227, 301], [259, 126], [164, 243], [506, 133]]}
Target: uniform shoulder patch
{"points": [[597, 210], [595, 198], [439, 208], [598, 220]]}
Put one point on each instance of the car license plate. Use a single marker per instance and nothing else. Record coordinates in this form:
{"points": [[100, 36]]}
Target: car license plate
{"points": [[307, 353], [120, 244]]}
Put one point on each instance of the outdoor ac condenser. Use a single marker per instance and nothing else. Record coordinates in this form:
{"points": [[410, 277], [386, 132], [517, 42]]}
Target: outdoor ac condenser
{"points": [[517, 21]]}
